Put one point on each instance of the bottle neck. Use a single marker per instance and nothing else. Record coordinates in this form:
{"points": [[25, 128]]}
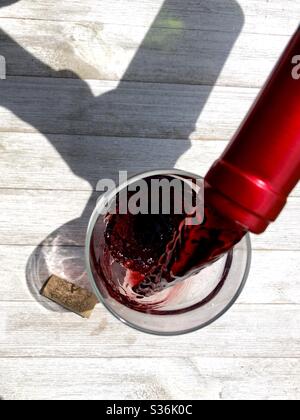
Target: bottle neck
{"points": [[251, 181]]}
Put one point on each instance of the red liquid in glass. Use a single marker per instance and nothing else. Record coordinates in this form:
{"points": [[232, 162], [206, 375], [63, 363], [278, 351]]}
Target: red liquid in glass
{"points": [[157, 251]]}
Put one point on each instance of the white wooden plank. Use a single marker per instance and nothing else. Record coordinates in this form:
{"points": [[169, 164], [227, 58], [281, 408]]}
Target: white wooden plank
{"points": [[104, 108], [284, 233], [36, 214], [31, 217], [30, 330], [274, 16], [246, 379], [147, 379], [99, 379], [38, 162], [115, 52], [274, 276]]}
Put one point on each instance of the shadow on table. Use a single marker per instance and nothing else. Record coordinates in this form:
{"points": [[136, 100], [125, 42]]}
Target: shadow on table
{"points": [[170, 52]]}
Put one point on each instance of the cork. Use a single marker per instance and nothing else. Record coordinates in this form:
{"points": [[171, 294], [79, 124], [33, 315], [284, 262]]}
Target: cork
{"points": [[71, 297]]}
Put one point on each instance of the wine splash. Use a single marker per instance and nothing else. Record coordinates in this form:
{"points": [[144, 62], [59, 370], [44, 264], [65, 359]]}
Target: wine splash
{"points": [[145, 254]]}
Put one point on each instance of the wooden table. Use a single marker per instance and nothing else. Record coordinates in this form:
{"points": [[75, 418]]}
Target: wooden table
{"points": [[99, 86]]}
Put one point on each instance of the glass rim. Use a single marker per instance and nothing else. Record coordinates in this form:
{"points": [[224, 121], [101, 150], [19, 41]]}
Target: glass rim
{"points": [[91, 225]]}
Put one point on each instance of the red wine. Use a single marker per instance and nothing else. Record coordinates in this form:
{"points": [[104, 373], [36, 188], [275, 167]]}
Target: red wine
{"points": [[146, 253], [193, 249]]}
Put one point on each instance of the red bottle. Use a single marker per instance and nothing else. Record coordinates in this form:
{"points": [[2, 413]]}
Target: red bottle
{"points": [[251, 181]]}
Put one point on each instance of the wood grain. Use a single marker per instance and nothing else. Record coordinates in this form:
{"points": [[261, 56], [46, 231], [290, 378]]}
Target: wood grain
{"points": [[30, 330], [104, 108], [33, 162], [91, 50], [150, 378], [270, 17]]}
